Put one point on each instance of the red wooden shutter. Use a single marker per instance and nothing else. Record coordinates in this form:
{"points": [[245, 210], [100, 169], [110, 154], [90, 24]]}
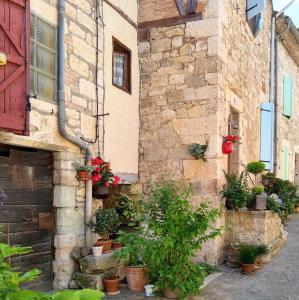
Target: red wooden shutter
{"points": [[15, 43]]}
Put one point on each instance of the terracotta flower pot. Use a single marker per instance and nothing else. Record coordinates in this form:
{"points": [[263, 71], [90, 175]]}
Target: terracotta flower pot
{"points": [[248, 268], [100, 192], [116, 245], [112, 286], [233, 260], [297, 209], [83, 175], [136, 278], [170, 294]]}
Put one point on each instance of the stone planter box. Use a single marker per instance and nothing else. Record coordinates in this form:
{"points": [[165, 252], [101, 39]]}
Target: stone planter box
{"points": [[263, 227]]}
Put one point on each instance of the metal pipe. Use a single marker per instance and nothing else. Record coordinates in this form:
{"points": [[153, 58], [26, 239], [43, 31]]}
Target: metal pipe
{"points": [[62, 115]]}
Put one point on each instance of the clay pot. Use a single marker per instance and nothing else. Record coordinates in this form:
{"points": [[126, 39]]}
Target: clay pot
{"points": [[297, 209], [100, 192], [116, 245], [112, 286], [106, 245], [233, 260], [227, 147], [136, 278], [170, 294], [247, 268], [83, 175]]}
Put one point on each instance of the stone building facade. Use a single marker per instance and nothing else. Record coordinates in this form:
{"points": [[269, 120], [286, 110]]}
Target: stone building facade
{"points": [[287, 138], [202, 77], [88, 32]]}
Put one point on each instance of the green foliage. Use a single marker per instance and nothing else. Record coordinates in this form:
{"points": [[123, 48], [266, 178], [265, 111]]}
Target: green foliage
{"points": [[248, 253], [258, 190], [176, 231], [285, 190], [198, 151], [236, 191], [208, 269], [106, 222], [255, 167], [86, 294], [80, 167], [128, 209]]}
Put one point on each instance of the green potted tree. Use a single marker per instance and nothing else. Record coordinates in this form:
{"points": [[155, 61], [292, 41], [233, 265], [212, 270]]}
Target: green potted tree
{"points": [[176, 230], [132, 255], [83, 171], [105, 223]]}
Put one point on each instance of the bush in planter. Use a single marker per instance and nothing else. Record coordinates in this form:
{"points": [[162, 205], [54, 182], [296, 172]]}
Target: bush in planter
{"points": [[255, 167], [175, 231], [105, 224], [236, 191], [128, 209]]}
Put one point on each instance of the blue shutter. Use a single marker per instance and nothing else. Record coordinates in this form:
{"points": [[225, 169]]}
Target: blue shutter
{"points": [[284, 169], [287, 96], [266, 142], [254, 7]]}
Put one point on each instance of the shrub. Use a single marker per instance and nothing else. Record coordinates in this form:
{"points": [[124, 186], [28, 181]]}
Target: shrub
{"points": [[248, 253], [128, 209], [236, 191], [106, 223], [198, 151], [284, 189], [255, 167], [176, 231]]}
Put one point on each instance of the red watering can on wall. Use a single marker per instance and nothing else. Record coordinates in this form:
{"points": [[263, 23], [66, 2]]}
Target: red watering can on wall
{"points": [[228, 144]]}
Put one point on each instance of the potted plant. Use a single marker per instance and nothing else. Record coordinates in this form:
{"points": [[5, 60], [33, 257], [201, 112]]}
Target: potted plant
{"points": [[198, 151], [297, 206], [105, 224], [97, 250], [233, 260], [262, 250], [128, 209], [228, 144], [102, 178], [176, 230], [255, 168], [131, 255], [248, 254], [111, 281], [83, 172]]}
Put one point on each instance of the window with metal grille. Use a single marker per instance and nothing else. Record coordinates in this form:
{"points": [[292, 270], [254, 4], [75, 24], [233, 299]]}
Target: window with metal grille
{"points": [[42, 59], [121, 66]]}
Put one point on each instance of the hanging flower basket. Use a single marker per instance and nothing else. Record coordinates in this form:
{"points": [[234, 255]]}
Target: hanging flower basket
{"points": [[228, 144], [102, 178]]}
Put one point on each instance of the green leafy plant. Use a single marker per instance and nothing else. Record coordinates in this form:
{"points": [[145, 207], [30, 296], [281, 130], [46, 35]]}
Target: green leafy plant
{"points": [[106, 223], [258, 190], [255, 167], [248, 253], [128, 209], [286, 192], [236, 191], [176, 230], [80, 167], [198, 151]]}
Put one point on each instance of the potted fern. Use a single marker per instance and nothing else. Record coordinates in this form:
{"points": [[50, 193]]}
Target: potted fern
{"points": [[83, 171]]}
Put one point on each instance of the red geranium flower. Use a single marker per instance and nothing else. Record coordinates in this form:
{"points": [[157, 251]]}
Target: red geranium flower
{"points": [[106, 184], [116, 180]]}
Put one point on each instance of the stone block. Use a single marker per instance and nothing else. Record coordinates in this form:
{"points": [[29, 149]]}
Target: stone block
{"points": [[90, 281], [79, 66], [65, 177], [213, 47], [86, 20], [176, 42], [144, 48], [199, 170], [202, 28], [96, 265], [87, 88], [64, 196], [160, 45], [177, 79], [64, 241]]}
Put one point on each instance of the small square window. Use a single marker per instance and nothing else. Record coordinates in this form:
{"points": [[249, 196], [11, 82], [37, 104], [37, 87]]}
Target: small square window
{"points": [[121, 64], [42, 59]]}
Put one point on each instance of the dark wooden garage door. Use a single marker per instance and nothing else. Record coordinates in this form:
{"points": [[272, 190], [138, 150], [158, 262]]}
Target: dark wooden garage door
{"points": [[27, 216]]}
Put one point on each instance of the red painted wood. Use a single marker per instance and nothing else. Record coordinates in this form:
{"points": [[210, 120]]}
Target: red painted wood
{"points": [[13, 39]]}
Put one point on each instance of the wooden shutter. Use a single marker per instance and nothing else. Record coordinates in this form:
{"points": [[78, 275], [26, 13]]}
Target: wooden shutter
{"points": [[287, 96], [266, 135], [254, 7], [284, 169], [14, 42]]}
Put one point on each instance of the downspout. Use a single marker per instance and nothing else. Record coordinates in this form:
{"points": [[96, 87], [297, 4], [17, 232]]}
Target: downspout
{"points": [[62, 116]]}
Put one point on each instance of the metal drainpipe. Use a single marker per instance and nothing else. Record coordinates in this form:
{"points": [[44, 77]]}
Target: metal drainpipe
{"points": [[62, 116]]}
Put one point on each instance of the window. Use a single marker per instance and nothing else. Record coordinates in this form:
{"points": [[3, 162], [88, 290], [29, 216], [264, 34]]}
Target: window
{"points": [[42, 59], [121, 65], [254, 9], [287, 96]]}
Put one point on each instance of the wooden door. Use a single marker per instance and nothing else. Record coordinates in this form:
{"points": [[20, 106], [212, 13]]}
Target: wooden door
{"points": [[14, 43], [27, 214]]}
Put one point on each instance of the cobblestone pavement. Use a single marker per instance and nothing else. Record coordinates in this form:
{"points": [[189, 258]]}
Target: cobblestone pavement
{"points": [[278, 280]]}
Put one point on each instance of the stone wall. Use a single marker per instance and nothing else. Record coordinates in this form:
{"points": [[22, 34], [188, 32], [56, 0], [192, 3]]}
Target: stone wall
{"points": [[255, 227]]}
